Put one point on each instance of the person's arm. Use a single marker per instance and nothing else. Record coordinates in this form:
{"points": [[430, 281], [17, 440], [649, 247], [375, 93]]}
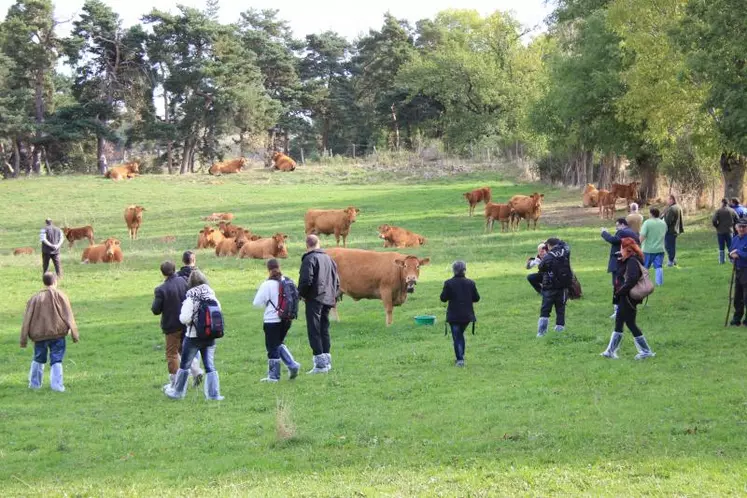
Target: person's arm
{"points": [[612, 239], [475, 294], [632, 275], [188, 308], [70, 319], [644, 232], [714, 220], [306, 277], [157, 306], [262, 296], [25, 327], [43, 239], [544, 265], [445, 293]]}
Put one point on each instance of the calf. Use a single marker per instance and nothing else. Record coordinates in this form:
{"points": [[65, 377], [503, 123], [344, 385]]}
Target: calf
{"points": [[477, 196], [133, 216], [500, 212], [607, 201], [331, 221], [108, 252], [80, 233], [23, 250], [272, 247]]}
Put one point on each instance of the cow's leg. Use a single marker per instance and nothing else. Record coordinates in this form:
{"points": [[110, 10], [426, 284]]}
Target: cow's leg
{"points": [[386, 298], [337, 237], [344, 240]]}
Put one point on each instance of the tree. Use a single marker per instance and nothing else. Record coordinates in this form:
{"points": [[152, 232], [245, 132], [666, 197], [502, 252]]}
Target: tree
{"points": [[110, 66]]}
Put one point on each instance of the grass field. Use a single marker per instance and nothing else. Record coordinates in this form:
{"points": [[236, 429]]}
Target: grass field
{"points": [[527, 416]]}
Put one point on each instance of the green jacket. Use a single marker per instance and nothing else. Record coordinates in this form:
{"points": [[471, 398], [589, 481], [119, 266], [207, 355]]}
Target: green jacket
{"points": [[673, 219]]}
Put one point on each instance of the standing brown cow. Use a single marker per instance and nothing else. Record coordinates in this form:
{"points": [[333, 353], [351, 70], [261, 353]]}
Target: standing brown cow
{"points": [[331, 221], [500, 212], [607, 201], [528, 207], [477, 196], [629, 191], [133, 216], [80, 233], [388, 276]]}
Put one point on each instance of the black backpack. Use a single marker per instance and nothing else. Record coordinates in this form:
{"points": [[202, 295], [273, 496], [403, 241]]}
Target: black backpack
{"points": [[562, 273], [209, 323], [288, 298]]}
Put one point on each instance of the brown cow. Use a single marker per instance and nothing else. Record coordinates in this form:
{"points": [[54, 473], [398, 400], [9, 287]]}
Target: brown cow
{"points": [[127, 170], [500, 212], [230, 246], [591, 196], [80, 233], [209, 237], [226, 167], [477, 196], [629, 191], [283, 162], [133, 216], [528, 207], [331, 221], [229, 230], [607, 201], [215, 217], [23, 250], [399, 237], [108, 252], [273, 247], [388, 276]]}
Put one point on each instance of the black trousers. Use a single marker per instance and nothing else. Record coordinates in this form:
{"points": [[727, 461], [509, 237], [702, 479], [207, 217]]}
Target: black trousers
{"points": [[535, 280], [626, 314], [317, 326], [556, 298], [55, 258], [740, 293], [275, 334]]}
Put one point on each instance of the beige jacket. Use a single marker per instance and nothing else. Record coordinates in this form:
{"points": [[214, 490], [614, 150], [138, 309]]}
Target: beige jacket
{"points": [[48, 316]]}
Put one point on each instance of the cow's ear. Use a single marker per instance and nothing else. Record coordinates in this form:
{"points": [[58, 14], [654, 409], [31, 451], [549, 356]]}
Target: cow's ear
{"points": [[424, 261], [285, 237], [116, 241], [400, 262]]}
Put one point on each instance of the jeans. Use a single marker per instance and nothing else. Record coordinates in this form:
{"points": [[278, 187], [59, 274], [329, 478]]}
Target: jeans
{"points": [[626, 314], [56, 350], [535, 280], [457, 334], [55, 258], [206, 347], [550, 298], [274, 336], [724, 241], [670, 245], [317, 326], [657, 259]]}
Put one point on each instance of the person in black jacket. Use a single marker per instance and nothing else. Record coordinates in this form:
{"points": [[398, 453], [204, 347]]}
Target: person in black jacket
{"points": [[628, 274], [319, 286], [555, 268], [188, 259], [460, 292], [623, 230]]}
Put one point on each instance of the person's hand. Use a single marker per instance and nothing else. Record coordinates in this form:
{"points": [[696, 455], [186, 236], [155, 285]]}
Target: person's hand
{"points": [[733, 254], [23, 345], [602, 230], [76, 339]]}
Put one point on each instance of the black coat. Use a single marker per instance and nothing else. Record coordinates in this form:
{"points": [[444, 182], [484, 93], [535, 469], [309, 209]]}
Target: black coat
{"points": [[318, 279], [460, 292], [549, 264], [168, 303], [185, 272], [615, 241], [627, 276]]}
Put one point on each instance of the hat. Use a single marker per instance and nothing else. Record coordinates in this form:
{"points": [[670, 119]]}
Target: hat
{"points": [[742, 221]]}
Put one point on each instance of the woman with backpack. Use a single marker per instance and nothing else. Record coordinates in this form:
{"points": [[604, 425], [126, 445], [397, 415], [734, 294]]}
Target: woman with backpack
{"points": [[276, 328], [200, 299], [629, 272], [460, 292]]}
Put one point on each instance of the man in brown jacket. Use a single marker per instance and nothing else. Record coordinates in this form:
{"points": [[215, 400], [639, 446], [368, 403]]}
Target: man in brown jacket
{"points": [[48, 320]]}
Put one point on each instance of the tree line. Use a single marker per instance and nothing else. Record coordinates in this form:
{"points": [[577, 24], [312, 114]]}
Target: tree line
{"points": [[661, 84]]}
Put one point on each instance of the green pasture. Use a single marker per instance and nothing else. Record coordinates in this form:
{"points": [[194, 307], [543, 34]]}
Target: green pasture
{"points": [[526, 417]]}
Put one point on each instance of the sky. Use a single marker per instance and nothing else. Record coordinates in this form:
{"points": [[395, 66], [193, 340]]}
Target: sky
{"points": [[349, 19]]}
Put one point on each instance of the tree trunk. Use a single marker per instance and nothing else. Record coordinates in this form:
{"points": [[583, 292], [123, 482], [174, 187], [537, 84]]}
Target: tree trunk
{"points": [[648, 168], [170, 143], [732, 168], [36, 160], [45, 160], [186, 154], [589, 161], [395, 127], [101, 155], [16, 158]]}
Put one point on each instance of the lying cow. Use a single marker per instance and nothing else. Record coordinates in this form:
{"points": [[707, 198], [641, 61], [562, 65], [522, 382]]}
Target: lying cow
{"points": [[80, 233], [399, 237], [216, 217], [226, 167], [230, 246], [528, 207], [591, 196], [23, 250], [331, 221], [209, 237], [127, 170], [108, 252], [133, 216], [282, 162], [476, 196], [388, 276], [500, 212], [272, 247], [229, 230]]}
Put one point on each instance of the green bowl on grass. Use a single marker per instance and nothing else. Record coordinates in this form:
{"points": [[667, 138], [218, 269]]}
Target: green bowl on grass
{"points": [[425, 320]]}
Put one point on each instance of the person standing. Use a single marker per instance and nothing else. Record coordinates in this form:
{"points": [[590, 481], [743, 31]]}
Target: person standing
{"points": [[461, 293], [188, 260], [276, 329], [673, 219], [319, 286], [738, 256], [199, 290], [555, 268], [738, 208], [48, 320], [634, 219], [623, 230], [628, 275], [535, 279], [652, 238], [724, 220], [51, 240]]}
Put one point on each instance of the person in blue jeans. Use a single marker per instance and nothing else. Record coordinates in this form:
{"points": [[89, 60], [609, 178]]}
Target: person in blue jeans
{"points": [[724, 221], [47, 321], [199, 290], [461, 293], [653, 232]]}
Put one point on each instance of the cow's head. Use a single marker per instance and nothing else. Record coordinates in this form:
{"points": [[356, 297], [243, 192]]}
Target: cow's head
{"points": [[133, 167], [110, 245], [281, 250], [538, 198], [634, 186], [243, 162], [589, 188], [383, 229], [138, 211], [422, 240], [352, 213], [411, 270], [467, 195], [66, 231], [276, 155]]}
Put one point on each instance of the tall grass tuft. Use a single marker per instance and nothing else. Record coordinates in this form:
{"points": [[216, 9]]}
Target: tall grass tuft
{"points": [[285, 428]]}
